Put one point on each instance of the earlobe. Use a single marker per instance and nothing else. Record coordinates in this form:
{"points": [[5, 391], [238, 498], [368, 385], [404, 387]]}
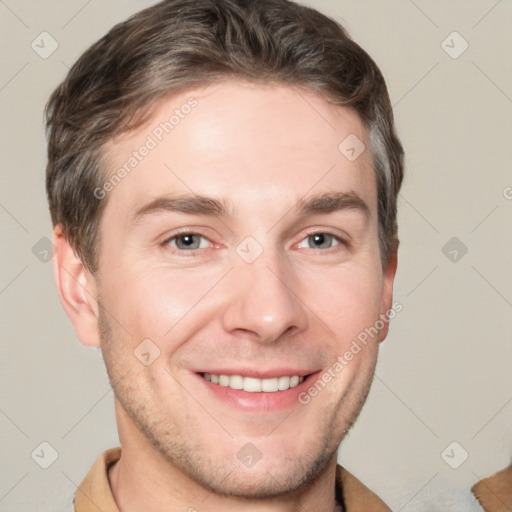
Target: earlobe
{"points": [[77, 290], [387, 293]]}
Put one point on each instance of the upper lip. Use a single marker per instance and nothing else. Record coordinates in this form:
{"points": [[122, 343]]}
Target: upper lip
{"points": [[259, 373]]}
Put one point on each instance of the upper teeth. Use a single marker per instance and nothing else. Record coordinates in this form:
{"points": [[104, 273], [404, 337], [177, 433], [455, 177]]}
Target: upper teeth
{"points": [[254, 385]]}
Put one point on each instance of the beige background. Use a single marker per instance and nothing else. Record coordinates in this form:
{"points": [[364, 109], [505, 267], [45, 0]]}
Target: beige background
{"points": [[444, 372]]}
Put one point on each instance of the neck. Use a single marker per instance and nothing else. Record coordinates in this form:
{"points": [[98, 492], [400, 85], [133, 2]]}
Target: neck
{"points": [[143, 480]]}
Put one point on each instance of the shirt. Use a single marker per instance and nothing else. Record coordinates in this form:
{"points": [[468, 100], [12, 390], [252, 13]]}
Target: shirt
{"points": [[94, 492], [494, 493]]}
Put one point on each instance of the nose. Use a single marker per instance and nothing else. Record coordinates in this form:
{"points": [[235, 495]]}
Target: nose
{"points": [[264, 301]]}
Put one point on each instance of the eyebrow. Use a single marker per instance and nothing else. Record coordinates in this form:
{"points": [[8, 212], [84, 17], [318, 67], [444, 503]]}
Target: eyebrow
{"points": [[194, 204], [332, 202]]}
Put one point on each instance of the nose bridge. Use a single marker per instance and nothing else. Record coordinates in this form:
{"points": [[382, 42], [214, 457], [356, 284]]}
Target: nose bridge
{"points": [[261, 298]]}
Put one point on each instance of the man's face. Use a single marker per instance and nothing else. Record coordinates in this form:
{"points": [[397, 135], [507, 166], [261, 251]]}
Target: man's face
{"points": [[266, 289]]}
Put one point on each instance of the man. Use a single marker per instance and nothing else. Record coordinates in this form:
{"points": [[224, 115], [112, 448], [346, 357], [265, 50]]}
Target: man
{"points": [[222, 180]]}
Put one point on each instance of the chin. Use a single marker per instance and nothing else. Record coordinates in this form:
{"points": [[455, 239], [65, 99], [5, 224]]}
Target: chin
{"points": [[266, 481]]}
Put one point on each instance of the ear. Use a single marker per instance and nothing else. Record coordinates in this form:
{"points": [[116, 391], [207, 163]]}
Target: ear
{"points": [[387, 293], [77, 290]]}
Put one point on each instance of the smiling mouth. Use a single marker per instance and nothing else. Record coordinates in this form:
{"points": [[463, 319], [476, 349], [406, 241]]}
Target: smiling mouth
{"points": [[254, 385]]}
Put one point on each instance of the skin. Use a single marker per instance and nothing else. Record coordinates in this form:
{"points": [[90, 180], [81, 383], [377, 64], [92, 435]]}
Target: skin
{"points": [[299, 304]]}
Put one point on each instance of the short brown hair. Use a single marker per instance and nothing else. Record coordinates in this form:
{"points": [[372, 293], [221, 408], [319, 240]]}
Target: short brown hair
{"points": [[177, 44]]}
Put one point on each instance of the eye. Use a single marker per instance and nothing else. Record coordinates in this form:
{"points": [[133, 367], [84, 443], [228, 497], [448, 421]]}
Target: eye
{"points": [[320, 241], [188, 241]]}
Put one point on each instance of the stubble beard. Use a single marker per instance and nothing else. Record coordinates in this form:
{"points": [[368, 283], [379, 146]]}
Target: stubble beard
{"points": [[224, 477]]}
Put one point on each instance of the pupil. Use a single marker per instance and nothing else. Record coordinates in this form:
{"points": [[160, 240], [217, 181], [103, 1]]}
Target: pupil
{"points": [[319, 238], [186, 241]]}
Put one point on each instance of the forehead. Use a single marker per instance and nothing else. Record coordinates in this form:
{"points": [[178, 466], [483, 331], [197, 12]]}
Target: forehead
{"points": [[253, 146]]}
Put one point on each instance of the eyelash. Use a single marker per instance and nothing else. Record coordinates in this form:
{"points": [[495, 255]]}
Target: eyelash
{"points": [[193, 252]]}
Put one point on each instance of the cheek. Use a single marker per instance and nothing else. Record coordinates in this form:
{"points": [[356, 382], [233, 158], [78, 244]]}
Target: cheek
{"points": [[350, 301], [149, 303], [350, 310]]}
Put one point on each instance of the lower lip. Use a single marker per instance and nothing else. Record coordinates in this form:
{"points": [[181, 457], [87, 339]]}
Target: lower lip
{"points": [[260, 402]]}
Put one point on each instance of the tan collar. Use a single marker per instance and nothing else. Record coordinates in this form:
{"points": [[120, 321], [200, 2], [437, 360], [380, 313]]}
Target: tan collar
{"points": [[355, 495], [94, 492], [495, 492]]}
